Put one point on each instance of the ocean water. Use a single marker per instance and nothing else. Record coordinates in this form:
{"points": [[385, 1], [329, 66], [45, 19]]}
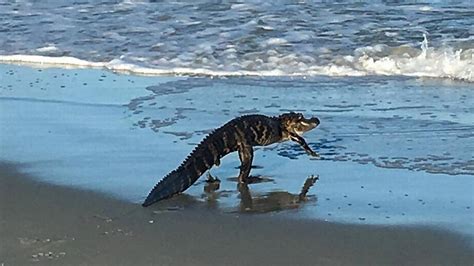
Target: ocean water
{"points": [[269, 38]]}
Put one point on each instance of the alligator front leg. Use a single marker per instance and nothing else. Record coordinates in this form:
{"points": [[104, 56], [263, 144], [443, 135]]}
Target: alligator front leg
{"points": [[298, 139], [246, 157]]}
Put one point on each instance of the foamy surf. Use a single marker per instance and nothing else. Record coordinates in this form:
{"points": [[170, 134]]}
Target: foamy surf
{"points": [[423, 62], [50, 61], [426, 62]]}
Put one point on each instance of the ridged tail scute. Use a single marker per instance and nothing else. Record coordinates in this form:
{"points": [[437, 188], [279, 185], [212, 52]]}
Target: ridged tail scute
{"points": [[174, 183], [199, 161]]}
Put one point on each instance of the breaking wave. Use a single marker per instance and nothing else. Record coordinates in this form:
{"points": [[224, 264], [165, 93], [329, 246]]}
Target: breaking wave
{"points": [[405, 60]]}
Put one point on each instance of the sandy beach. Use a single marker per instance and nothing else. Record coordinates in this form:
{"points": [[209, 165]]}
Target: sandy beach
{"points": [[42, 224], [80, 149]]}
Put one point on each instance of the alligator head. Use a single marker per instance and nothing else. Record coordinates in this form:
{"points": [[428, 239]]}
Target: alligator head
{"points": [[297, 124]]}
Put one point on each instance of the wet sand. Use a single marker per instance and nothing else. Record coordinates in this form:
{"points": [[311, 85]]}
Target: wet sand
{"points": [[395, 182], [43, 224]]}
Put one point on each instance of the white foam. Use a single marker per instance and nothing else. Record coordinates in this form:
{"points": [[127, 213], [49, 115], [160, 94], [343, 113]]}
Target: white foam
{"points": [[425, 8], [435, 63], [241, 6], [276, 41], [425, 61], [46, 49], [49, 61]]}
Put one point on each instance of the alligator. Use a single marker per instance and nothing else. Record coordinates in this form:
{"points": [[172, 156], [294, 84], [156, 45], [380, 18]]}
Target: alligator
{"points": [[239, 134]]}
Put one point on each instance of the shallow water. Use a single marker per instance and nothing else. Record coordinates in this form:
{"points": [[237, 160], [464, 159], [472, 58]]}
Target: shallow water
{"points": [[430, 39], [394, 151]]}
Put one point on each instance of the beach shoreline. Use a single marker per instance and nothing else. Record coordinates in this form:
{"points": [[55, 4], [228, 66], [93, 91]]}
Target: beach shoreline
{"points": [[82, 148], [100, 101], [44, 224]]}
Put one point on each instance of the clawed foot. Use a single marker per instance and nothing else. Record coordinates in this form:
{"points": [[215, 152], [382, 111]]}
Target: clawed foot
{"points": [[314, 154]]}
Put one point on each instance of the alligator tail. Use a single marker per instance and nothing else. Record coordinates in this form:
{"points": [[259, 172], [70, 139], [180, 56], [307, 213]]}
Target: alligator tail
{"points": [[174, 183], [200, 160]]}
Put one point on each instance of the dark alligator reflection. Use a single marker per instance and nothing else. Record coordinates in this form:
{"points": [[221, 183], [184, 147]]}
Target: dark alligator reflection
{"points": [[273, 201], [269, 202]]}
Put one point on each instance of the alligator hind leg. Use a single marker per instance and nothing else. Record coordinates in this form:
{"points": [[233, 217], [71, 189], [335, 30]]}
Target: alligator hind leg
{"points": [[246, 158]]}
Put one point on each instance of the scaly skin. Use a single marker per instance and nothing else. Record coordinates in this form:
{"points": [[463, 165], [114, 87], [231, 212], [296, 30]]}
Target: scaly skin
{"points": [[240, 134]]}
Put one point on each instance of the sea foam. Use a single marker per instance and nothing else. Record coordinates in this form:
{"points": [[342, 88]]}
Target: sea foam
{"points": [[430, 62], [425, 61]]}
